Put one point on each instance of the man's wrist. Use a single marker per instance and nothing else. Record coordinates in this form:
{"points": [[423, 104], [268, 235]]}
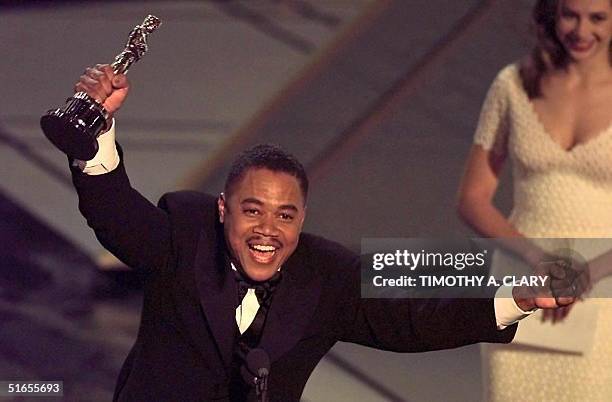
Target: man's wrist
{"points": [[109, 124], [507, 311], [107, 157]]}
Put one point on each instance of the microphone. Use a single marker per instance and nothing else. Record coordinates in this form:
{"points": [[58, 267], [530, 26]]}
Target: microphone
{"points": [[256, 371]]}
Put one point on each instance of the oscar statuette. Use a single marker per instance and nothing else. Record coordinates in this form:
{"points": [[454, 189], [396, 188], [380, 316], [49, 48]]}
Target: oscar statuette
{"points": [[75, 127]]}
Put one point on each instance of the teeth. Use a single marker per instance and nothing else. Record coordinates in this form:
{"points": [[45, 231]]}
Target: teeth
{"points": [[262, 248]]}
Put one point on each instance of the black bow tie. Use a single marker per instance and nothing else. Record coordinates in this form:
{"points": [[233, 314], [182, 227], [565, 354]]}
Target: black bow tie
{"points": [[263, 290]]}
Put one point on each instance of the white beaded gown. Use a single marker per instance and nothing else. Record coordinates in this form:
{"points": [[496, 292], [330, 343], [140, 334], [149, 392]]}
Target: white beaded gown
{"points": [[558, 193]]}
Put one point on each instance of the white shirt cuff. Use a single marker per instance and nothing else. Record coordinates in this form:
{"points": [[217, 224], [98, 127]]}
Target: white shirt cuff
{"points": [[507, 312], [107, 157]]}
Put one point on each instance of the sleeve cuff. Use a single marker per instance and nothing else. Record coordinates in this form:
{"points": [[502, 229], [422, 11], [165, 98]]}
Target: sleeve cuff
{"points": [[107, 158], [507, 312]]}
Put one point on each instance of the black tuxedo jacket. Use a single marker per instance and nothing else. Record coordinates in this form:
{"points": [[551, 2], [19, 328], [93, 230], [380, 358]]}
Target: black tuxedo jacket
{"points": [[184, 345]]}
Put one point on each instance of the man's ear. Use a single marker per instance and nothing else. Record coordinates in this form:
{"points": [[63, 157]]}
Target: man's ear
{"points": [[221, 207]]}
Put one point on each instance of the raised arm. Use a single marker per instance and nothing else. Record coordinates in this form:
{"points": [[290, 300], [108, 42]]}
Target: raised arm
{"points": [[125, 222]]}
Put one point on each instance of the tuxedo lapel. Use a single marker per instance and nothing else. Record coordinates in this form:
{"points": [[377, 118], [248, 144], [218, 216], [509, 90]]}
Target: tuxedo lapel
{"points": [[293, 302], [217, 292], [293, 305]]}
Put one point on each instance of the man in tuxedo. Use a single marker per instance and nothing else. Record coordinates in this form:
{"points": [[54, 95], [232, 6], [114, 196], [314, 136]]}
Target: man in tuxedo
{"points": [[229, 274]]}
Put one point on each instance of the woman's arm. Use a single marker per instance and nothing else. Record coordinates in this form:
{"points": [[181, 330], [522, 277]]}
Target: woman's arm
{"points": [[475, 204]]}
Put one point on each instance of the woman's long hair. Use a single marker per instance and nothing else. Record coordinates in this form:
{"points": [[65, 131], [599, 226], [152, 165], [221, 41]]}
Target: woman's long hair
{"points": [[548, 53]]}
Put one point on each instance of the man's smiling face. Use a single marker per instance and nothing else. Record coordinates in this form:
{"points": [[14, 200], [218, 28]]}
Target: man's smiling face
{"points": [[262, 219]]}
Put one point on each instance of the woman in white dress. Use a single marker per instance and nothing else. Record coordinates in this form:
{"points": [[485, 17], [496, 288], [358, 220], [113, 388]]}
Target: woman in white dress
{"points": [[551, 116]]}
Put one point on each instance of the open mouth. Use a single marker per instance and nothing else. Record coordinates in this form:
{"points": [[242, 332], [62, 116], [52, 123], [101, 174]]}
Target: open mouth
{"points": [[262, 253]]}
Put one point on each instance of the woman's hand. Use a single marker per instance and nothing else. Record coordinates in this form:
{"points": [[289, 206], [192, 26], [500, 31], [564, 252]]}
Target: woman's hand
{"points": [[580, 283], [556, 315]]}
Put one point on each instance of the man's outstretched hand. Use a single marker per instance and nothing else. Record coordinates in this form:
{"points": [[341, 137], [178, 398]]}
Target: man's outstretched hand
{"points": [[566, 281]]}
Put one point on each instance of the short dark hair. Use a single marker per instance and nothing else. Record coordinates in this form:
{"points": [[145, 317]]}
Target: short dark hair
{"points": [[266, 156]]}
